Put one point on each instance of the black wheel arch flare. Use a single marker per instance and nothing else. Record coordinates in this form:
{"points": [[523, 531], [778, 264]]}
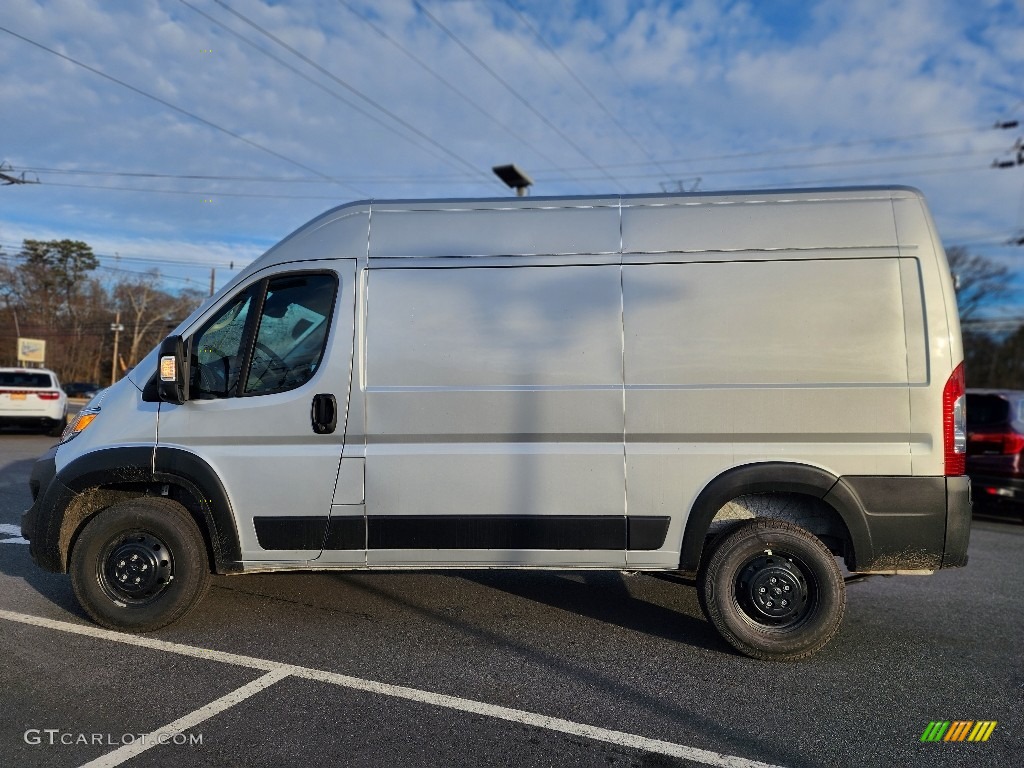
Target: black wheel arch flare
{"points": [[771, 477], [135, 467]]}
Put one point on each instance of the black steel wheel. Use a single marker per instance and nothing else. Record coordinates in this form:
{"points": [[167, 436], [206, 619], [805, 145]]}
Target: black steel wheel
{"points": [[772, 590], [139, 565]]}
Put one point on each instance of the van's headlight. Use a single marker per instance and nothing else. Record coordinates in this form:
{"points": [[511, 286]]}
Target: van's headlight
{"points": [[85, 417]]}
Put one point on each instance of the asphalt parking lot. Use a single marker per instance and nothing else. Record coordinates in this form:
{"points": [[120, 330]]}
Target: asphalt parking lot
{"points": [[473, 668]]}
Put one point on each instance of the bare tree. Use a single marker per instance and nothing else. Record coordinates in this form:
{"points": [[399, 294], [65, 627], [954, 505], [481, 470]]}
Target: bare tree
{"points": [[142, 308], [993, 359], [48, 291], [147, 312], [980, 281]]}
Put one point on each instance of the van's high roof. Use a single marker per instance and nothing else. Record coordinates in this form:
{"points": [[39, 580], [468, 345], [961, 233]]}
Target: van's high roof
{"points": [[604, 224]]}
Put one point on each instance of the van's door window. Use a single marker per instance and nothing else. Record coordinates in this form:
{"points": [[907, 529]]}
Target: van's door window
{"points": [[280, 349], [217, 352], [293, 327]]}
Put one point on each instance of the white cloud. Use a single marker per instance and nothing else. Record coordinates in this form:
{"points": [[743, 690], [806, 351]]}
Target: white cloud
{"points": [[687, 79]]}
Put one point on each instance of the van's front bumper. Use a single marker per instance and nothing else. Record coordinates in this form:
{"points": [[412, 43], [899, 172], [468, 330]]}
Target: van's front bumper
{"points": [[38, 525]]}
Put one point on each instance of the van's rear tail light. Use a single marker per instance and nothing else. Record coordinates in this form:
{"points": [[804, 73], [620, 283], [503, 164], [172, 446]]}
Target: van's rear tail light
{"points": [[989, 443], [954, 422], [48, 395]]}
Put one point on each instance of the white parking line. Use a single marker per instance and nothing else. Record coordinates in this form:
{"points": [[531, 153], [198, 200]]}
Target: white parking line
{"points": [[281, 671], [182, 724], [11, 530]]}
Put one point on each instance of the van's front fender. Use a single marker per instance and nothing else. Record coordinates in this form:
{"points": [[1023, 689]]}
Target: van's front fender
{"points": [[63, 501]]}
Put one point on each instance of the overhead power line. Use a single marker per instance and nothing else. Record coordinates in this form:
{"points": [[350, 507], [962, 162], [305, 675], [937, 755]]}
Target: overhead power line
{"points": [[789, 183], [799, 149], [872, 179], [176, 108], [521, 99], [803, 166], [190, 176], [466, 98], [8, 177], [457, 179], [333, 94], [118, 258], [644, 149], [196, 193], [354, 91], [120, 270], [994, 325], [461, 177], [981, 238]]}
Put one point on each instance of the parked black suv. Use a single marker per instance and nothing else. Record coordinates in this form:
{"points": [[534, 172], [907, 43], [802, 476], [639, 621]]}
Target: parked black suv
{"points": [[995, 449], [81, 389]]}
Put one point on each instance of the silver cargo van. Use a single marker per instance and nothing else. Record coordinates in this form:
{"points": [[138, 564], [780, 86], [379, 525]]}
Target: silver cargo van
{"points": [[743, 387]]}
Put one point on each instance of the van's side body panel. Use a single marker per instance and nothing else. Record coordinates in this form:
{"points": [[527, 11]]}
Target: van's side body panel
{"points": [[493, 387], [809, 378], [757, 330]]}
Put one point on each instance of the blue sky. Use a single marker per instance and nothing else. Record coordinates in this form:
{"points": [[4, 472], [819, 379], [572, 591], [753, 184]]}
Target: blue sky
{"points": [[271, 112]]}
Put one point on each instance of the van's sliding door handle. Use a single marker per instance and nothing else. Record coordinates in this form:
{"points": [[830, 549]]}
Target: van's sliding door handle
{"points": [[324, 414]]}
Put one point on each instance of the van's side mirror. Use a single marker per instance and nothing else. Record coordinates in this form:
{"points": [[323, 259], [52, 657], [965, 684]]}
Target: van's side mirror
{"points": [[172, 380]]}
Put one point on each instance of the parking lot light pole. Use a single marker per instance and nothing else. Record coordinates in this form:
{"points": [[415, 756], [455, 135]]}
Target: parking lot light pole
{"points": [[116, 327], [514, 178]]}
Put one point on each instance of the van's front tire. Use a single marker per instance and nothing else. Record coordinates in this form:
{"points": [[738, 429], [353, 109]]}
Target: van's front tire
{"points": [[773, 591], [139, 565]]}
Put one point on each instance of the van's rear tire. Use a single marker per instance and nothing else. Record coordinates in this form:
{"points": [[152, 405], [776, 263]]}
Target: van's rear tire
{"points": [[139, 565], [772, 590]]}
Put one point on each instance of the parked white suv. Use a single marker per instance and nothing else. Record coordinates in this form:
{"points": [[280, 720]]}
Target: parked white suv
{"points": [[32, 397]]}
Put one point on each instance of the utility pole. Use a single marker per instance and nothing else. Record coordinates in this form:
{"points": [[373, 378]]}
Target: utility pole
{"points": [[1015, 160], [7, 178], [1016, 152], [213, 277], [116, 327]]}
